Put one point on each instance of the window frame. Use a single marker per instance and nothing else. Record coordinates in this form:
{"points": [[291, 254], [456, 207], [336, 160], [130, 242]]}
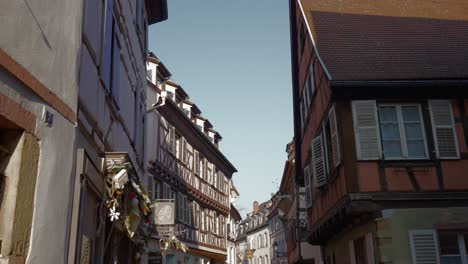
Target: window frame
{"points": [[402, 132]]}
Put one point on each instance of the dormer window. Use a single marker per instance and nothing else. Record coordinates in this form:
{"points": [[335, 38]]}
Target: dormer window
{"points": [[171, 95]]}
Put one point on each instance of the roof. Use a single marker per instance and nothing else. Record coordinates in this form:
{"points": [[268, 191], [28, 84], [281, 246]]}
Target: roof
{"points": [[235, 213], [157, 11], [391, 40]]}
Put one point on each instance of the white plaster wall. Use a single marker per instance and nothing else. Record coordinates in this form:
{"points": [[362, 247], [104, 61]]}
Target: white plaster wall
{"points": [[260, 251], [48, 47], [49, 224]]}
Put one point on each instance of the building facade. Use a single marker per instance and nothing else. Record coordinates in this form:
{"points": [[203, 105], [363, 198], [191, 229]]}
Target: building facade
{"points": [[233, 220], [380, 125], [186, 165], [70, 80], [278, 233], [258, 235]]}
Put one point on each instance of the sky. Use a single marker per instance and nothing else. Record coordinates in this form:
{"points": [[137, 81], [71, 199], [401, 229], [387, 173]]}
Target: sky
{"points": [[233, 59]]}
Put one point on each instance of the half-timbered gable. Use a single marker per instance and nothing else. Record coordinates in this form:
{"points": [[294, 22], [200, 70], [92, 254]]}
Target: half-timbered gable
{"points": [[191, 169]]}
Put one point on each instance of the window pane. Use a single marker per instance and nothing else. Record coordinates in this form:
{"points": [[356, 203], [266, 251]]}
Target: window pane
{"points": [[448, 244], [450, 260], [413, 130], [416, 148], [410, 113], [392, 148], [387, 114], [390, 131]]}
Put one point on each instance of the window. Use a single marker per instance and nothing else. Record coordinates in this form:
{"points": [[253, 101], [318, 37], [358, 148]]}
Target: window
{"points": [[106, 62], [402, 132], [157, 190], [325, 154], [149, 74], [397, 130], [308, 187], [171, 139], [197, 163], [150, 186], [361, 250]]}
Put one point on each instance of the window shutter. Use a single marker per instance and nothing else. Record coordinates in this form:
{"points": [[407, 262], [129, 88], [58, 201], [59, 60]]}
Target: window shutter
{"points": [[150, 187], [352, 254], [318, 161], [443, 127], [370, 248], [335, 140], [308, 186], [424, 248], [366, 130]]}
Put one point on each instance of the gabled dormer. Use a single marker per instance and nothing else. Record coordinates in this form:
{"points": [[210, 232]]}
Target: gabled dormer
{"points": [[156, 71], [187, 108], [200, 122]]}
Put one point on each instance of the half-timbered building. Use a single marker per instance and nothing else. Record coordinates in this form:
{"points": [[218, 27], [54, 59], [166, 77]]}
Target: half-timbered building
{"points": [[381, 126], [185, 164]]}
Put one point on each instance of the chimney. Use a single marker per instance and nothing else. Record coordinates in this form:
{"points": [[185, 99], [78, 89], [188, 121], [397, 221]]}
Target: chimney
{"points": [[255, 207]]}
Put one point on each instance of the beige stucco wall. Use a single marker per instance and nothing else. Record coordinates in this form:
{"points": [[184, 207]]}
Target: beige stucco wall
{"points": [[394, 227]]}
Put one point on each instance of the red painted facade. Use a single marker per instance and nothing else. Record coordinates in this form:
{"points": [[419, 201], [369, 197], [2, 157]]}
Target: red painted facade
{"points": [[411, 182]]}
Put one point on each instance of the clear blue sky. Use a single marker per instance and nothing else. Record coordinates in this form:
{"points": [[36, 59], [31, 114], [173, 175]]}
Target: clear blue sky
{"points": [[233, 59]]}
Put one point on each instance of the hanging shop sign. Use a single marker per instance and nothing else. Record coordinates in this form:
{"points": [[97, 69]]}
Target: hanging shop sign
{"points": [[164, 219], [127, 202]]}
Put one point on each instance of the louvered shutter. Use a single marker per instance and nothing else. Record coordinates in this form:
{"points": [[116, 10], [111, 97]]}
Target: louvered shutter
{"points": [[352, 253], [366, 130], [335, 140], [443, 128], [318, 161], [307, 186], [424, 247]]}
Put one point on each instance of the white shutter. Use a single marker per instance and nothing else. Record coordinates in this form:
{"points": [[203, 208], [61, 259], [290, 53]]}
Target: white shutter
{"points": [[370, 249], [318, 161], [308, 187], [424, 247], [335, 140], [352, 254], [366, 130], [443, 128]]}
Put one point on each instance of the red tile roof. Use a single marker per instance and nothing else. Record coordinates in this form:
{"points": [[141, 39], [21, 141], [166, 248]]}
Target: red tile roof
{"points": [[371, 47]]}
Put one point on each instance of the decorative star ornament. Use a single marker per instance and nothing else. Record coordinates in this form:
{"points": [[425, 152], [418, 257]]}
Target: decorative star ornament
{"points": [[113, 214]]}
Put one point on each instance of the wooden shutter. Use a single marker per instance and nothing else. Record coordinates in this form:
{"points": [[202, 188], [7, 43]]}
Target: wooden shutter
{"points": [[366, 130], [335, 140], [318, 161], [370, 248], [424, 247], [308, 187], [443, 127], [352, 253]]}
